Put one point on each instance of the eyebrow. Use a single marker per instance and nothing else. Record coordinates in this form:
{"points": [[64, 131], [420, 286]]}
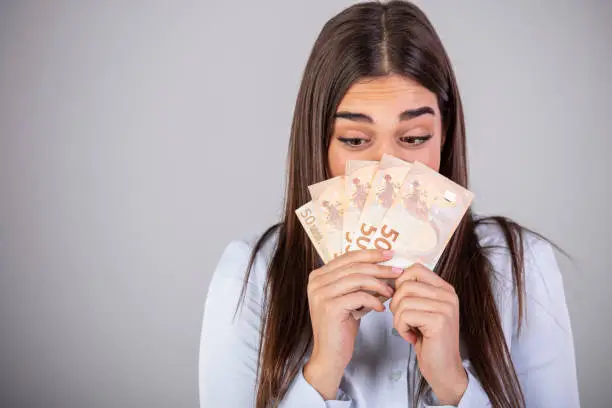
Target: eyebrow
{"points": [[405, 115]]}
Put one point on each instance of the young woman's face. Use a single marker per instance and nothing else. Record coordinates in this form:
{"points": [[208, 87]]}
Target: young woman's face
{"points": [[390, 114]]}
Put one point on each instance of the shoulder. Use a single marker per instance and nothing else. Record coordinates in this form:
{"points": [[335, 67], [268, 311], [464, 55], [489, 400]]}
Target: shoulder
{"points": [[233, 264], [542, 280], [538, 258], [232, 324]]}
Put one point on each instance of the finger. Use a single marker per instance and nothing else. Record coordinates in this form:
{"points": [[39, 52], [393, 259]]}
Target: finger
{"points": [[418, 272], [377, 271], [397, 305], [411, 337], [423, 290], [426, 323], [353, 283], [362, 255], [357, 300]]}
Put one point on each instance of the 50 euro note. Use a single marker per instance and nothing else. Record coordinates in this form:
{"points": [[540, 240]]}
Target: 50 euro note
{"points": [[423, 218], [312, 224], [385, 185], [316, 229], [358, 177], [328, 201]]}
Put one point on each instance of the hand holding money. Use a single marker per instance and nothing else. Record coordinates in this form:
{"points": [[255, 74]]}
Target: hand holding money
{"points": [[335, 290], [426, 313]]}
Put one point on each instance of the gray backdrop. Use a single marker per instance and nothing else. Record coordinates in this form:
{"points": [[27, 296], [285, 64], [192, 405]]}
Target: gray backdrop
{"points": [[138, 138]]}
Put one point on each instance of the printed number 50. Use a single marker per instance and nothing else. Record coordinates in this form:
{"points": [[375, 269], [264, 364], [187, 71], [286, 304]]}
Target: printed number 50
{"points": [[383, 242], [364, 239]]}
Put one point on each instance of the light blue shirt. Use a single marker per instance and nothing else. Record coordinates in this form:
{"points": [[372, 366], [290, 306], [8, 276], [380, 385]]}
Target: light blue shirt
{"points": [[382, 367]]}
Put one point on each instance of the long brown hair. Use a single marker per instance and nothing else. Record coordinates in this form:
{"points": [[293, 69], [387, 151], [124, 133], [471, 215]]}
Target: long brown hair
{"points": [[369, 40]]}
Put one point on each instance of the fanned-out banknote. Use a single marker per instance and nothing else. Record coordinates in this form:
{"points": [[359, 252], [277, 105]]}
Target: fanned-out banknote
{"points": [[385, 186], [328, 203], [310, 220], [357, 180], [392, 204], [423, 218]]}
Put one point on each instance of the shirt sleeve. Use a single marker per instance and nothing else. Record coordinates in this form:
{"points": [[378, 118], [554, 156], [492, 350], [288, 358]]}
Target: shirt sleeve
{"points": [[229, 347], [543, 351], [303, 395], [473, 397]]}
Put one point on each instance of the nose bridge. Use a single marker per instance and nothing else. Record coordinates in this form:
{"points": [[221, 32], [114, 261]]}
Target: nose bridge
{"points": [[387, 145]]}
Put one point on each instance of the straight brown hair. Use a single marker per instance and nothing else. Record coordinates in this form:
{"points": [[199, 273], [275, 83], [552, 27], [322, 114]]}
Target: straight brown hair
{"points": [[372, 40]]}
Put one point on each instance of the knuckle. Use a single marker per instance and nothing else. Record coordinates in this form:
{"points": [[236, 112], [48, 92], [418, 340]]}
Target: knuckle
{"points": [[399, 292], [314, 274], [311, 284], [393, 304], [448, 310], [419, 268], [344, 271], [348, 269], [314, 296], [397, 286], [357, 268]]}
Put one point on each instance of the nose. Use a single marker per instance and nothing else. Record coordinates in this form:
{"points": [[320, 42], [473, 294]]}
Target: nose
{"points": [[388, 146]]}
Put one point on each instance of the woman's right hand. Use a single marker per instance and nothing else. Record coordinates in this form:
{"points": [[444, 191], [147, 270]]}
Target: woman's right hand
{"points": [[345, 284]]}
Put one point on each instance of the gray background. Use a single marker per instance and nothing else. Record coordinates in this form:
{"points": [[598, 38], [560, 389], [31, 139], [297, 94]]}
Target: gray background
{"points": [[138, 138]]}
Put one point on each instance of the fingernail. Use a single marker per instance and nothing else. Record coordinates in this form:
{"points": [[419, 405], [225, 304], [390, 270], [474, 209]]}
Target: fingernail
{"points": [[397, 270], [388, 253]]}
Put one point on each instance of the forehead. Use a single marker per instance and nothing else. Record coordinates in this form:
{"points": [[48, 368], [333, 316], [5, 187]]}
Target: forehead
{"points": [[388, 92]]}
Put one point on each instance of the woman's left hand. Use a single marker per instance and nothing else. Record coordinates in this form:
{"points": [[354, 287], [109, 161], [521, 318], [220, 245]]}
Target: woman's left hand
{"points": [[424, 301]]}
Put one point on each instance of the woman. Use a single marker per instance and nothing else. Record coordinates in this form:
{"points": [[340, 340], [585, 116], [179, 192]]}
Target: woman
{"points": [[493, 326]]}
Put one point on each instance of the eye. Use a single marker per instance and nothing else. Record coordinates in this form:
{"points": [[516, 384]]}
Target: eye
{"points": [[352, 141], [415, 140]]}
